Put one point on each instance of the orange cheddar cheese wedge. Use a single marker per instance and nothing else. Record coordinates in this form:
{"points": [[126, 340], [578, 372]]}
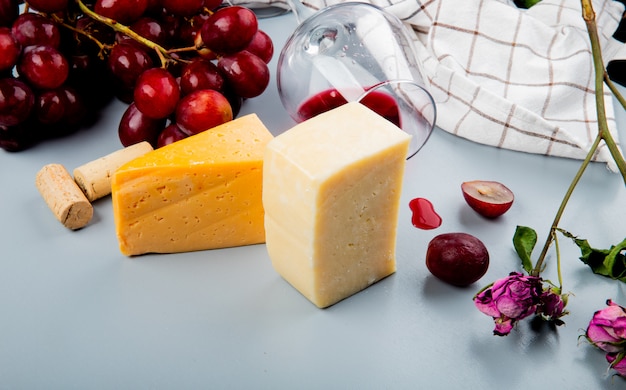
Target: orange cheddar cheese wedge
{"points": [[202, 192]]}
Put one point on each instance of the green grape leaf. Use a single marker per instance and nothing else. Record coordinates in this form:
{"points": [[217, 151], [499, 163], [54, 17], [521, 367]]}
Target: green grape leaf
{"points": [[606, 262], [524, 241]]}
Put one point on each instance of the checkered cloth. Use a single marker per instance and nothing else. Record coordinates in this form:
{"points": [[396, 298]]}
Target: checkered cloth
{"points": [[509, 77]]}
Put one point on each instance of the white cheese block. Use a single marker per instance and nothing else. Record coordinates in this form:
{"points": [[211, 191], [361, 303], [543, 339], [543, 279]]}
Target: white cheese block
{"points": [[331, 192]]}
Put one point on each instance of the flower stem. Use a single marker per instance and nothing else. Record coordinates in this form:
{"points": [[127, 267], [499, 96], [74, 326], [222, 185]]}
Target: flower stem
{"points": [[603, 131], [589, 16], [559, 213]]}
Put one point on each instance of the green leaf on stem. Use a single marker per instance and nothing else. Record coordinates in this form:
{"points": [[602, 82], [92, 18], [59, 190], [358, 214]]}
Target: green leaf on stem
{"points": [[526, 3], [524, 241], [606, 262]]}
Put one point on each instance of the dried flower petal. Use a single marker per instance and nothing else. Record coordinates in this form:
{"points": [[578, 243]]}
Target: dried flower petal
{"points": [[509, 299]]}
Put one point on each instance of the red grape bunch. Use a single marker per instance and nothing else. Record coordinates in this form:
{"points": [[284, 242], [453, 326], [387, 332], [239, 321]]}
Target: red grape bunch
{"points": [[182, 66]]}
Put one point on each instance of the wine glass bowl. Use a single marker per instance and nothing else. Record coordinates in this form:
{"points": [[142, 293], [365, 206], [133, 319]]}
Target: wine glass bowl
{"points": [[355, 52]]}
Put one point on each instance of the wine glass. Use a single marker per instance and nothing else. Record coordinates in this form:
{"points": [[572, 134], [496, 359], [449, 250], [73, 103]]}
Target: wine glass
{"points": [[355, 52]]}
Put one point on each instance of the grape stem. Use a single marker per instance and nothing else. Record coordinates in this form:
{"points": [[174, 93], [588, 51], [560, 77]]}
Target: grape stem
{"points": [[163, 53], [61, 22], [604, 134]]}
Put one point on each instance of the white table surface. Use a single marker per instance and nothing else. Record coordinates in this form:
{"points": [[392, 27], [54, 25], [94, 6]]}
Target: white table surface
{"points": [[77, 314]]}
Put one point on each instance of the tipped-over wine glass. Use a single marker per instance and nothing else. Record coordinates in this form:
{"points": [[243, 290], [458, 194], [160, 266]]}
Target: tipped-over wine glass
{"points": [[355, 52]]}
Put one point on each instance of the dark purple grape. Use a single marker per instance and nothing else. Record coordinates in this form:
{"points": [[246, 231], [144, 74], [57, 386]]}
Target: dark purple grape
{"points": [[212, 4], [247, 74], [156, 93], [48, 6], [135, 127], [122, 11], [9, 11], [183, 7], [189, 28], [127, 62], [200, 74], [31, 29], [16, 102], [50, 106], [75, 109], [229, 29], [43, 66], [90, 76], [10, 49], [17, 138], [170, 134], [151, 29]]}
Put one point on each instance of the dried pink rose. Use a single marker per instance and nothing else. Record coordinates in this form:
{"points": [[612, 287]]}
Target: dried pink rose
{"points": [[509, 299], [618, 363], [552, 306], [607, 328]]}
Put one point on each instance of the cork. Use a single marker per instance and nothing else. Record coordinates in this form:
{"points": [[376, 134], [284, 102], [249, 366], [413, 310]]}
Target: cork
{"points": [[94, 177], [64, 198]]}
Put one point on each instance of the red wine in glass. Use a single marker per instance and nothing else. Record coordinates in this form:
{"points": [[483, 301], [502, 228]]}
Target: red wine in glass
{"points": [[377, 101]]}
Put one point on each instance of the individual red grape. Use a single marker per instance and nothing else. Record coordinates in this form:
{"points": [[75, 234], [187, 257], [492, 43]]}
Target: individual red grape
{"points": [[183, 7], [48, 6], [247, 74], [75, 109], [262, 46], [202, 110], [16, 101], [155, 7], [50, 106], [34, 29], [90, 76], [229, 29], [9, 11], [122, 11], [459, 259], [135, 127], [127, 62], [212, 4], [188, 30], [10, 49], [170, 134], [151, 29], [43, 66], [156, 93], [17, 138], [200, 74]]}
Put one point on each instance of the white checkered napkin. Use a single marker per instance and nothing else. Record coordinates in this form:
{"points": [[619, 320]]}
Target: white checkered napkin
{"points": [[521, 80], [511, 78]]}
